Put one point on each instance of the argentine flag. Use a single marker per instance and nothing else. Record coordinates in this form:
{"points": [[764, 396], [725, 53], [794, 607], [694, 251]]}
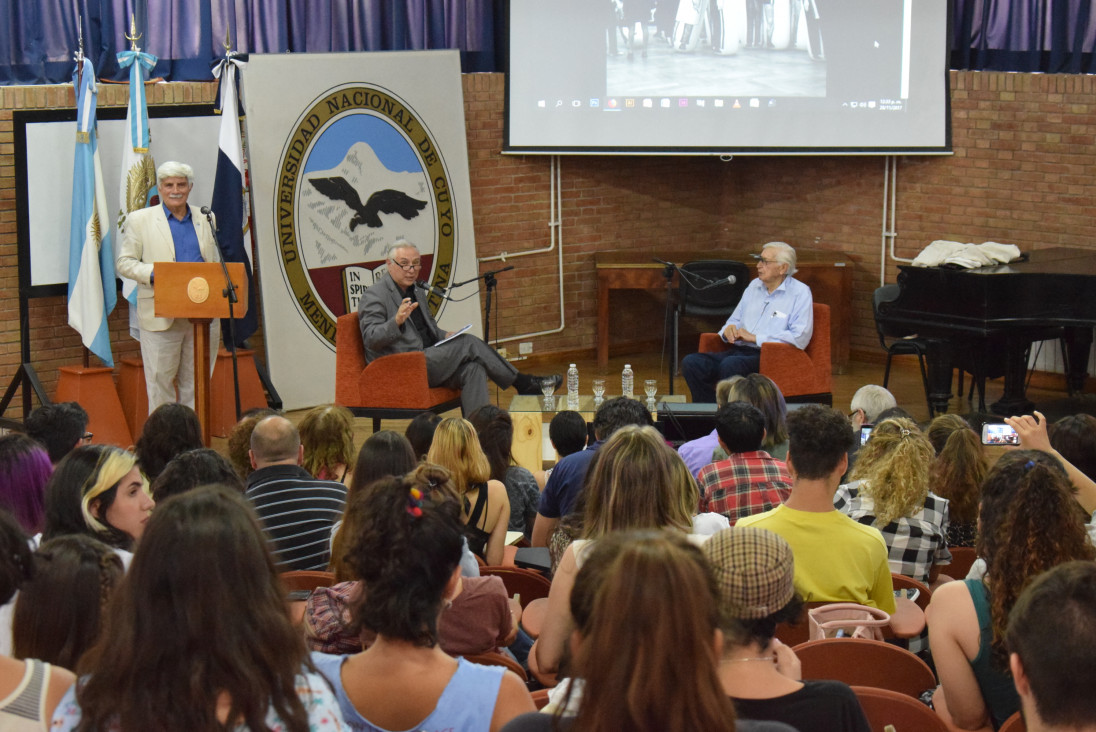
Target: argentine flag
{"points": [[91, 285], [137, 183], [230, 194]]}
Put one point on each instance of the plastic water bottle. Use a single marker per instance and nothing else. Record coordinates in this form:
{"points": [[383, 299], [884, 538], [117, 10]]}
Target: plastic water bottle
{"points": [[572, 384], [627, 381]]}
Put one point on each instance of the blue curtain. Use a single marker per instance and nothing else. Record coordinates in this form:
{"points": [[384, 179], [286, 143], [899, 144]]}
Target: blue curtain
{"points": [[1051, 36], [38, 38]]}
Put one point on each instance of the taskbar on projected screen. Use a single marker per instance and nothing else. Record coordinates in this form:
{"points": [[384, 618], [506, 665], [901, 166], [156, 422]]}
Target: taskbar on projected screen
{"points": [[624, 103]]}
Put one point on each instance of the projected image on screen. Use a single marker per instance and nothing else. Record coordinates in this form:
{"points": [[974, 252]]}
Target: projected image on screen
{"points": [[636, 76]]}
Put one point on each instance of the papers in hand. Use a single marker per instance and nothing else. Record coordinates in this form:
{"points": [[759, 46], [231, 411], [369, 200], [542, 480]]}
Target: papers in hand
{"points": [[455, 334]]}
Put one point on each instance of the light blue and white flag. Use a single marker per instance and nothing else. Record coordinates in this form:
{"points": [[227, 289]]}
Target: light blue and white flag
{"points": [[91, 284], [137, 182]]}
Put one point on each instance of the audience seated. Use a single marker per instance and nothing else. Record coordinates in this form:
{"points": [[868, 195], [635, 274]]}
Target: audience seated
{"points": [[296, 510], [630, 485], [98, 490], [479, 620], [764, 394], [698, 453], [384, 454], [890, 491], [58, 613], [60, 427], [29, 690], [420, 432], [748, 480], [565, 483], [495, 429], [836, 558], [485, 507], [239, 440], [568, 434], [1050, 636], [1028, 524], [172, 428], [957, 474], [867, 404], [198, 637], [24, 470], [646, 643], [327, 434], [1074, 437], [407, 554], [754, 575], [193, 468]]}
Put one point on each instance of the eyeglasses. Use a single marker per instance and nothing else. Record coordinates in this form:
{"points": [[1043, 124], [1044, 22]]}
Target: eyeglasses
{"points": [[767, 262], [407, 266]]}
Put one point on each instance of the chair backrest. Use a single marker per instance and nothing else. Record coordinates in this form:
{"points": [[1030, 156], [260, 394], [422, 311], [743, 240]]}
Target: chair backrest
{"points": [[881, 296], [492, 658], [860, 662], [525, 582], [303, 579], [695, 297], [1015, 723], [962, 558], [798, 631], [884, 707], [902, 582], [349, 360]]}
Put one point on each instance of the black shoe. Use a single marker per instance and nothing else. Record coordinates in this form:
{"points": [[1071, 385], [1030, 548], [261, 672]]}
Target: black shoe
{"points": [[534, 386]]}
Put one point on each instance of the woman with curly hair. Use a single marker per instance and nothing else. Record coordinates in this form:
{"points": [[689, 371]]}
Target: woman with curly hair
{"points": [[197, 636], [171, 429], [99, 490], [957, 474], [485, 506], [631, 483], [327, 435], [407, 553], [1029, 523], [890, 491]]}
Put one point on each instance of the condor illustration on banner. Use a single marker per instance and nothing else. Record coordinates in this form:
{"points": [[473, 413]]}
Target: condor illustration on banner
{"points": [[343, 170]]}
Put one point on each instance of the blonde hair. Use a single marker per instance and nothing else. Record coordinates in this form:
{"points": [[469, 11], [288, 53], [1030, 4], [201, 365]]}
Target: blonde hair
{"points": [[631, 484], [327, 434], [456, 448], [894, 467], [113, 465]]}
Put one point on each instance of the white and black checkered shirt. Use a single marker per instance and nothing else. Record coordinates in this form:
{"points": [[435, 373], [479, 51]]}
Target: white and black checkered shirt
{"points": [[914, 543]]}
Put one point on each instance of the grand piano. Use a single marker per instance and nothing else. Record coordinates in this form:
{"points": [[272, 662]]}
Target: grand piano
{"points": [[986, 319]]}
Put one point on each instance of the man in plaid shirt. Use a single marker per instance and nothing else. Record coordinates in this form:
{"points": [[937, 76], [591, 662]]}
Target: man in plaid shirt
{"points": [[749, 481]]}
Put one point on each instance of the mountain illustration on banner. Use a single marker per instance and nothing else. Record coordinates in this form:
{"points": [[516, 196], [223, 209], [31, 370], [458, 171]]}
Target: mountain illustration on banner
{"points": [[349, 214]]}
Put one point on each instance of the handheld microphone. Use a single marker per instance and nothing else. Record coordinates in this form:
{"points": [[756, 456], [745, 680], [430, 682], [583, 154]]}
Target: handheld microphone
{"points": [[432, 290]]}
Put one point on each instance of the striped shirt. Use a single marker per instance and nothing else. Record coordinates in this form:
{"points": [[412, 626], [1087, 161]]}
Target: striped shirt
{"points": [[297, 512]]}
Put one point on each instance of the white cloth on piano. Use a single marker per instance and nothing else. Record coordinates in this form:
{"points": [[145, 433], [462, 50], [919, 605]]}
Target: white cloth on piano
{"points": [[968, 256]]}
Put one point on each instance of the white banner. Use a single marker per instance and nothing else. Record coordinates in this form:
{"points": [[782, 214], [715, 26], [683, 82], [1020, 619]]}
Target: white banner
{"points": [[350, 152]]}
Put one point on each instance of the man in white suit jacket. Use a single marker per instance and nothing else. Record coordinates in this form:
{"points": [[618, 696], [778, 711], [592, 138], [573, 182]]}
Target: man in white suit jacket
{"points": [[172, 231]]}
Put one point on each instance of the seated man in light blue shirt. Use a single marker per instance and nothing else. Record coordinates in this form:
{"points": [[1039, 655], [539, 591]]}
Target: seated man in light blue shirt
{"points": [[774, 307]]}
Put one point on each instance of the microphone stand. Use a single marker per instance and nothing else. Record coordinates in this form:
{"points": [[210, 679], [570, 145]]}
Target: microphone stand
{"points": [[672, 311], [228, 292], [490, 282]]}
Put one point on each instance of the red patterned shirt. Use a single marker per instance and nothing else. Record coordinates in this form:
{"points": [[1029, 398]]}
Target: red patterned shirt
{"points": [[744, 484]]}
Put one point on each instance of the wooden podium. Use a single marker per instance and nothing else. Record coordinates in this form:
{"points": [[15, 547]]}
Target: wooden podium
{"points": [[197, 290]]}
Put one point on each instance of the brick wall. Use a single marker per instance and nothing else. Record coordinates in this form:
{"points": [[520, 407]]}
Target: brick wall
{"points": [[1024, 146]]}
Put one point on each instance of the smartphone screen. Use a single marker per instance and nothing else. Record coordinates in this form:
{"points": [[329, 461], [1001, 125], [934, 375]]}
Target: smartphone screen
{"points": [[999, 434], [865, 433]]}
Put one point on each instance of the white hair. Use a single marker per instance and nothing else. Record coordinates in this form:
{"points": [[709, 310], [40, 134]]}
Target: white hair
{"points": [[874, 400], [784, 254], [174, 169], [398, 244]]}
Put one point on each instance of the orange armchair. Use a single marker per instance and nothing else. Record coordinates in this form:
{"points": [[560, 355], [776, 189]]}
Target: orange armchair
{"points": [[802, 376], [390, 387]]}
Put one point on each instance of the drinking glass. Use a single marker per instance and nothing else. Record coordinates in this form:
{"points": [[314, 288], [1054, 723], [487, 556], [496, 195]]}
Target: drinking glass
{"points": [[599, 389], [650, 388]]}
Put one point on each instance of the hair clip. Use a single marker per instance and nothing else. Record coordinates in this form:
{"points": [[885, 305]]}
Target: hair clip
{"points": [[1029, 465], [905, 432], [414, 502]]}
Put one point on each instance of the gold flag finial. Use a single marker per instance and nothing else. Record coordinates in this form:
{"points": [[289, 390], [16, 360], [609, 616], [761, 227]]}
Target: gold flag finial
{"points": [[228, 40], [133, 36]]}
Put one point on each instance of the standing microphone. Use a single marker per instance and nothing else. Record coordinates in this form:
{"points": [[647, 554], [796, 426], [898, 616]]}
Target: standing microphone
{"points": [[208, 213], [728, 280], [432, 290]]}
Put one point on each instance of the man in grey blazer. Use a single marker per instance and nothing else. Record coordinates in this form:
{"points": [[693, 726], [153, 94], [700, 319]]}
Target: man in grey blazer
{"points": [[395, 318], [172, 231]]}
